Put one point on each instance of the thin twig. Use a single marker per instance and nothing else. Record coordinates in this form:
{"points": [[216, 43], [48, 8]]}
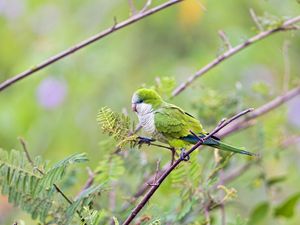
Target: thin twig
{"points": [[226, 122], [25, 149], [131, 7], [284, 27], [154, 188], [146, 6], [225, 39], [256, 20], [86, 42], [156, 173], [24, 146]]}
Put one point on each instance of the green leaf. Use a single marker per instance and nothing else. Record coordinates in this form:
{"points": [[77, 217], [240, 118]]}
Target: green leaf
{"points": [[259, 213], [55, 173], [114, 124], [32, 190], [286, 209]]}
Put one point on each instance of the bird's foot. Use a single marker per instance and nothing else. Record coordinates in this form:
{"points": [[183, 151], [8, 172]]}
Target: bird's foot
{"points": [[183, 155], [144, 140]]}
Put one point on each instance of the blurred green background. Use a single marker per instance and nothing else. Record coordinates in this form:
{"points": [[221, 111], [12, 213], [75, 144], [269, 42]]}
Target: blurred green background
{"points": [[55, 109]]}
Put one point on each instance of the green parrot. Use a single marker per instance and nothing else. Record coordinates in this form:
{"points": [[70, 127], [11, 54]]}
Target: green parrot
{"points": [[170, 124]]}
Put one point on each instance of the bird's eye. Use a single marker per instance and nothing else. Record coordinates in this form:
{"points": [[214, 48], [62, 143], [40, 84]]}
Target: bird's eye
{"points": [[139, 101]]}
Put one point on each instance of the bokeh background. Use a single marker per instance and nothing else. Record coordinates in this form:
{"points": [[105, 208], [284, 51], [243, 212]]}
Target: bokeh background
{"points": [[55, 109]]}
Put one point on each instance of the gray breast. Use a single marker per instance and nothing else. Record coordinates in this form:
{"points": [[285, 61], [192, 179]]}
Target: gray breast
{"points": [[147, 122]]}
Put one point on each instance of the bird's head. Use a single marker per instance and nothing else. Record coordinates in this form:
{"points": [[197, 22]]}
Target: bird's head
{"points": [[145, 100]]}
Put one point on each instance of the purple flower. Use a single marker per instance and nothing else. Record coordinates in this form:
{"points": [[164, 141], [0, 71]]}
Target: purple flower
{"points": [[51, 93]]}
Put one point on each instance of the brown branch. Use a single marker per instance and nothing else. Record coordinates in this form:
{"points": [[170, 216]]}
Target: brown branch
{"points": [[24, 146], [86, 42], [285, 26], [146, 6], [159, 181], [256, 20], [225, 39], [132, 7], [278, 101]]}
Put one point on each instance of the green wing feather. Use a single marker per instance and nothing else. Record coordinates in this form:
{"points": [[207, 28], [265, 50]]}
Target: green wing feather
{"points": [[174, 123]]}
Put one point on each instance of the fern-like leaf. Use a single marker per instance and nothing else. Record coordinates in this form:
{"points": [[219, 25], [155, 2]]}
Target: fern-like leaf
{"points": [[28, 188], [114, 124], [82, 204]]}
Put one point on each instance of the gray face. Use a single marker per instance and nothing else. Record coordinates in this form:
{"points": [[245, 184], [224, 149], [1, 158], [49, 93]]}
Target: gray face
{"points": [[135, 99], [139, 106], [135, 102]]}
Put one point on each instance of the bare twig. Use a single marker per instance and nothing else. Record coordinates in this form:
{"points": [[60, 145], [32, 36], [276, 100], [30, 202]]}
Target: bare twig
{"points": [[131, 7], [285, 26], [154, 188], [86, 42], [146, 6], [256, 20], [156, 174], [24, 146], [25, 149], [225, 39]]}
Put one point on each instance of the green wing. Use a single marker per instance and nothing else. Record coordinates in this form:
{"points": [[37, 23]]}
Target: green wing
{"points": [[173, 122]]}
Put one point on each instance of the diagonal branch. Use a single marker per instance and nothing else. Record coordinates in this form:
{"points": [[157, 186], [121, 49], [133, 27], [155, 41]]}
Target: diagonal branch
{"points": [[75, 48], [159, 181], [235, 126], [278, 101], [286, 25]]}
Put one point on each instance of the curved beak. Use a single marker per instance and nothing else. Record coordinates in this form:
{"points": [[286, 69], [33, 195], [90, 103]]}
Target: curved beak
{"points": [[133, 106]]}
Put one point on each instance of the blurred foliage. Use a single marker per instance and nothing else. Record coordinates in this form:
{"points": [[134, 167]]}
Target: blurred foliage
{"points": [[56, 111]]}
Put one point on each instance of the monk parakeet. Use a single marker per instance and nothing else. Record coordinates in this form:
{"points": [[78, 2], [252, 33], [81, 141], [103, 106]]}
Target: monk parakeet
{"points": [[170, 124]]}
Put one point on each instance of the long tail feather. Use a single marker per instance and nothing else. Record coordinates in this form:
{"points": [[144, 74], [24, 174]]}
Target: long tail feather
{"points": [[226, 147], [212, 142]]}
